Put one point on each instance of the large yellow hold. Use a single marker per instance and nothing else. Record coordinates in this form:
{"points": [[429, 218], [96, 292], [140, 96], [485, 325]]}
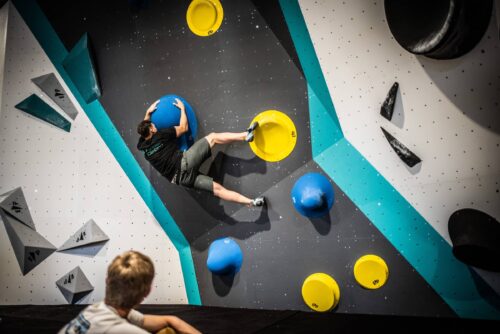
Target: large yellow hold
{"points": [[320, 292], [204, 17], [275, 137], [371, 271]]}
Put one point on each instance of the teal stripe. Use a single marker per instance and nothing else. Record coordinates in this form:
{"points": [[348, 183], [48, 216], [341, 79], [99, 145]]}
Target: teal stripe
{"points": [[55, 50], [324, 132], [397, 220], [329, 126]]}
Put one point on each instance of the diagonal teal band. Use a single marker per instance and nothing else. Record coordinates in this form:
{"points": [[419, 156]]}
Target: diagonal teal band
{"points": [[55, 50], [396, 219]]}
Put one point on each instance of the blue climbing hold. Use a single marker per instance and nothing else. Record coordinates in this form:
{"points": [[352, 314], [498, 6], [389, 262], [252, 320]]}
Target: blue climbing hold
{"points": [[167, 115], [224, 257], [312, 195]]}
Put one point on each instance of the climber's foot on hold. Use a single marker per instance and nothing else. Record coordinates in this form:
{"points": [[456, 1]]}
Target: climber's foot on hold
{"points": [[250, 132], [259, 201]]}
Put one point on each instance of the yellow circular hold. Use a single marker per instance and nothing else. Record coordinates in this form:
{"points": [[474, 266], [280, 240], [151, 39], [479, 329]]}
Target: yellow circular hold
{"points": [[320, 292], [275, 137], [371, 271], [204, 17]]}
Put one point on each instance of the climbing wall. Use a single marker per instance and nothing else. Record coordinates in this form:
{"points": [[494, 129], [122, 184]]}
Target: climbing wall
{"points": [[243, 69], [446, 111], [69, 179]]}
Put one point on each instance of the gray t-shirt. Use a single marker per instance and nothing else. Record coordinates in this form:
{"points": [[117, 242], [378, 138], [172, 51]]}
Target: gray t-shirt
{"points": [[102, 318]]}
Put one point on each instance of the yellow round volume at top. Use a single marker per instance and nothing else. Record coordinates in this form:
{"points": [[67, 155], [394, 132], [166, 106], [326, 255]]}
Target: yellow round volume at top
{"points": [[204, 17]]}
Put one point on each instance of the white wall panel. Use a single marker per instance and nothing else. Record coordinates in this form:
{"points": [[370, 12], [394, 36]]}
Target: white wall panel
{"points": [[447, 111], [69, 178]]}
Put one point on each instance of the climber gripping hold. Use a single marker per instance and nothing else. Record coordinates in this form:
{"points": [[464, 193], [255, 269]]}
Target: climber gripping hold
{"points": [[182, 168]]}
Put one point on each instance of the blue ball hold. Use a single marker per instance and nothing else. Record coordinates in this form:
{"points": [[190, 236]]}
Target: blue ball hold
{"points": [[224, 257], [167, 115], [312, 195]]}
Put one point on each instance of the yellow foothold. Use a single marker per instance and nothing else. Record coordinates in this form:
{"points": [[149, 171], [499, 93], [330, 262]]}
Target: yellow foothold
{"points": [[371, 271], [320, 292], [204, 17], [275, 137]]}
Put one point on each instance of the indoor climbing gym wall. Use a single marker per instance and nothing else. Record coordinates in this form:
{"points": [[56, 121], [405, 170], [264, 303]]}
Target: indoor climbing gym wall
{"points": [[446, 111], [67, 207], [376, 151]]}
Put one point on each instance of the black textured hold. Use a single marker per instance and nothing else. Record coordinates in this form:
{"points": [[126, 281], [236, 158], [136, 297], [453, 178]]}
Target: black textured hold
{"points": [[475, 236], [439, 29], [387, 108], [403, 152]]}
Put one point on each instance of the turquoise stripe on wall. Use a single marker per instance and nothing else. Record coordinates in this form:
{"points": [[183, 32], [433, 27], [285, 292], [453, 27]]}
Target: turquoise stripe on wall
{"points": [[324, 130], [396, 219], [54, 48], [314, 75]]}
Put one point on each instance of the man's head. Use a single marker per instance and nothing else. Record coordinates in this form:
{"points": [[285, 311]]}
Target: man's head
{"points": [[129, 280], [146, 128]]}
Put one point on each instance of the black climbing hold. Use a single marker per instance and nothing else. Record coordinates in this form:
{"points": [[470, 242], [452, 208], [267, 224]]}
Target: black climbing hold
{"points": [[387, 108], [475, 236], [403, 152], [440, 29]]}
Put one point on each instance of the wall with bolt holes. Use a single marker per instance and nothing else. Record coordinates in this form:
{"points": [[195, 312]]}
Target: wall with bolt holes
{"points": [[447, 111], [67, 179]]}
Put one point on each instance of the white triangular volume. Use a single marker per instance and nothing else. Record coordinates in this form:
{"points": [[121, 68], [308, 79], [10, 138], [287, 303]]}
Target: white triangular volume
{"points": [[29, 246], [74, 285], [51, 86], [14, 203], [90, 233]]}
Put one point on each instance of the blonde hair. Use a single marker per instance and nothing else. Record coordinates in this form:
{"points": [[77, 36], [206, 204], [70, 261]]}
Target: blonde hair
{"points": [[129, 279]]}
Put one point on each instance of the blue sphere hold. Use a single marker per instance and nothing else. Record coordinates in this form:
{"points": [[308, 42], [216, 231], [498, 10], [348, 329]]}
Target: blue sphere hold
{"points": [[312, 195], [167, 115], [224, 257]]}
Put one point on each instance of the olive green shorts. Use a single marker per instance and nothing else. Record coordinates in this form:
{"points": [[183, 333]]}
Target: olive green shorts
{"points": [[190, 163]]}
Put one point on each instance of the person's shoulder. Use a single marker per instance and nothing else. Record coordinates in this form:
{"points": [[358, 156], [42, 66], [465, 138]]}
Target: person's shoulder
{"points": [[167, 130], [167, 133]]}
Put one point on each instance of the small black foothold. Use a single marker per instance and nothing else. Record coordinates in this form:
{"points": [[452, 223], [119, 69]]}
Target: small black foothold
{"points": [[387, 108], [408, 157]]}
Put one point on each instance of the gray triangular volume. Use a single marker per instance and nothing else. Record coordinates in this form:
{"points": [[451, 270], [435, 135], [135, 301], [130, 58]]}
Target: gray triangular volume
{"points": [[74, 285], [29, 246], [387, 108], [14, 203], [403, 152], [90, 233], [51, 86]]}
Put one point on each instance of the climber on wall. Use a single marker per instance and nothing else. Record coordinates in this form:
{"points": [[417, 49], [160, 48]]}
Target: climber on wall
{"points": [[160, 149]]}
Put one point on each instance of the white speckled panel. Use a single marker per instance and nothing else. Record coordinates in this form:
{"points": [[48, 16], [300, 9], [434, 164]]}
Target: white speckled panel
{"points": [[67, 179], [447, 111]]}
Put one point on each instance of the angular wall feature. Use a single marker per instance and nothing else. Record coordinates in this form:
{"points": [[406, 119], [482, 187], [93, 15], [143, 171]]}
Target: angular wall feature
{"points": [[74, 285], [387, 108], [35, 106], [407, 156], [29, 246], [68, 178], [51, 86], [89, 234], [80, 67], [14, 203]]}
